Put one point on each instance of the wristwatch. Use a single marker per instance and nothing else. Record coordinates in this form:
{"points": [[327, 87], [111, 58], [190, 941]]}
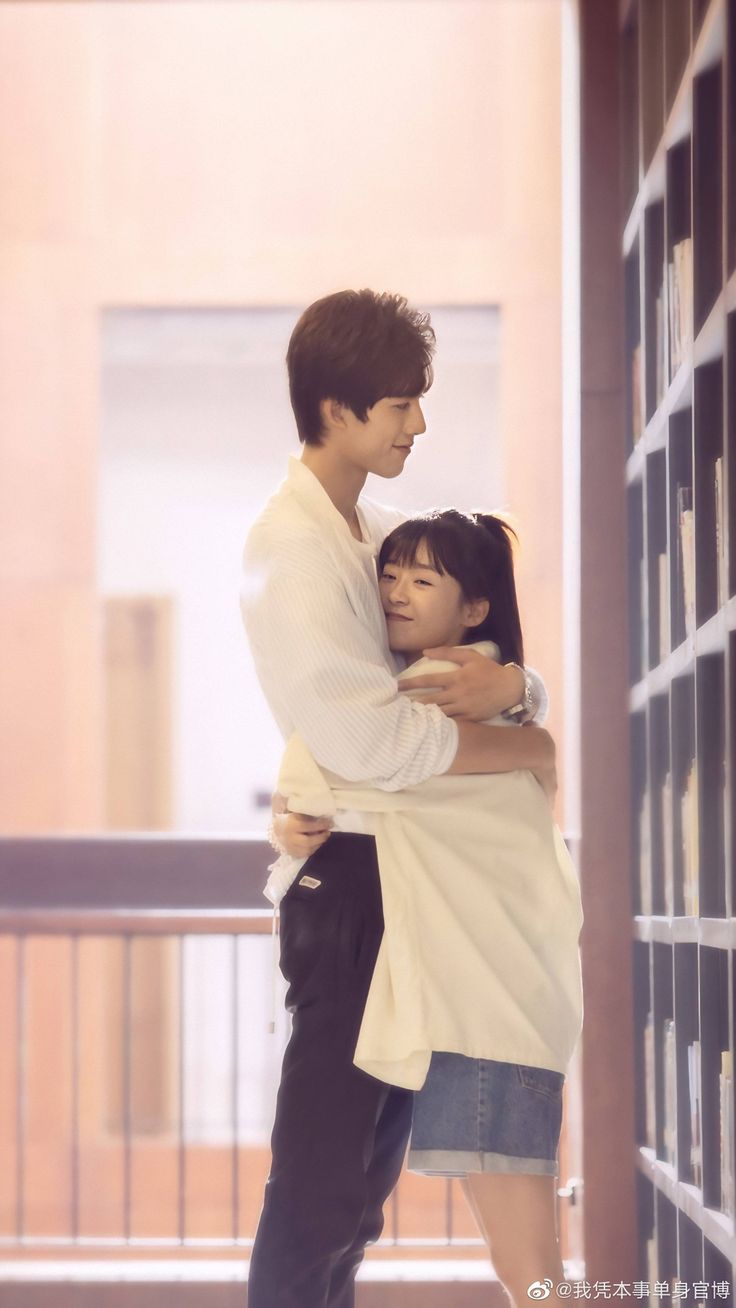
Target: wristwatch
{"points": [[524, 710]]}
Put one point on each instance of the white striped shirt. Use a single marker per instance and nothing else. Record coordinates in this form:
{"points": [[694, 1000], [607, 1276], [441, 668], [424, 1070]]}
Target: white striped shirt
{"points": [[313, 615]]}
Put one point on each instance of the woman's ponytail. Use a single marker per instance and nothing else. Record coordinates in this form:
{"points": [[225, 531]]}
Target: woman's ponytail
{"points": [[503, 624]]}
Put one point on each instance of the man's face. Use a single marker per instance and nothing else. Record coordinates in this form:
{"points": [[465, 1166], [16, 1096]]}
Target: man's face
{"points": [[382, 443]]}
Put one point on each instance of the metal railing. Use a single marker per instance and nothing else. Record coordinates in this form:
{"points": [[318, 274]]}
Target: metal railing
{"points": [[137, 1073]]}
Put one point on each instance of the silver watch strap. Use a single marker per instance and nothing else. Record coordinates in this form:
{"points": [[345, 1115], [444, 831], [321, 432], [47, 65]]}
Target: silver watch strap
{"points": [[525, 708]]}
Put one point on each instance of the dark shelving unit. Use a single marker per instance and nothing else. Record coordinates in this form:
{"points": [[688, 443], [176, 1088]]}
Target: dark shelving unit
{"points": [[678, 74]]}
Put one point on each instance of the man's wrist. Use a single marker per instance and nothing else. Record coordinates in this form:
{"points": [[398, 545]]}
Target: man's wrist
{"points": [[523, 709]]}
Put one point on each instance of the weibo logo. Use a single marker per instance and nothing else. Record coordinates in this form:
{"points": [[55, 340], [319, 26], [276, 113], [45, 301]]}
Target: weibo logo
{"points": [[540, 1289]]}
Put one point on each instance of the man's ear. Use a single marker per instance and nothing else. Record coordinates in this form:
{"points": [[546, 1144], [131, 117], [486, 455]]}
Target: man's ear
{"points": [[476, 611], [332, 414]]}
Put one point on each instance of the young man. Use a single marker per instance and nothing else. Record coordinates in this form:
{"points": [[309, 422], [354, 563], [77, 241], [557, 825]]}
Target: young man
{"points": [[358, 365]]}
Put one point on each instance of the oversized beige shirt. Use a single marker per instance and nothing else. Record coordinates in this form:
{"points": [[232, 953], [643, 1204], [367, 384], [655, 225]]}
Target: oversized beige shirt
{"points": [[482, 914]]}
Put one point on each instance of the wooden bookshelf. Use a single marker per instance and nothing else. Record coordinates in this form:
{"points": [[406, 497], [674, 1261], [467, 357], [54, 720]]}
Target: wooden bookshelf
{"points": [[678, 253]]}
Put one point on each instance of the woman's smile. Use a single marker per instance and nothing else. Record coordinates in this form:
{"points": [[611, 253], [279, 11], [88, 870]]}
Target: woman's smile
{"points": [[416, 594]]}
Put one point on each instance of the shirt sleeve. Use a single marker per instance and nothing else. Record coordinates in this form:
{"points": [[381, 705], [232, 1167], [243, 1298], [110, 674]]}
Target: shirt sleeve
{"points": [[540, 697], [323, 671]]}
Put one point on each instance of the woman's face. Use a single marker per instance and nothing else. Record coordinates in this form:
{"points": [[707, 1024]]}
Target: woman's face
{"points": [[424, 607]]}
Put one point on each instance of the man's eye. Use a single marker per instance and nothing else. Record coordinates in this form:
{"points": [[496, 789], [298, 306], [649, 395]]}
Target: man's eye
{"points": [[422, 581], [387, 576], [401, 406]]}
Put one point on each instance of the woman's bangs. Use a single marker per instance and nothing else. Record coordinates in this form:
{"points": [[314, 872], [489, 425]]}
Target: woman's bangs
{"points": [[402, 547]]}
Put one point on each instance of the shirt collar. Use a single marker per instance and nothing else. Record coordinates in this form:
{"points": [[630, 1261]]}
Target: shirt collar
{"points": [[309, 489]]}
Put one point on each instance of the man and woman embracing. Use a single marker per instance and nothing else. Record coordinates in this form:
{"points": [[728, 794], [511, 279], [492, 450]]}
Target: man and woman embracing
{"points": [[429, 911]]}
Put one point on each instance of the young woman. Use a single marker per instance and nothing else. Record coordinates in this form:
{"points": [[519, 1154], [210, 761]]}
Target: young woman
{"points": [[476, 998]]}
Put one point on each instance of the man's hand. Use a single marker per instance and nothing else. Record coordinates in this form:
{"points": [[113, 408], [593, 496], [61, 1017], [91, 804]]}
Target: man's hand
{"points": [[297, 834], [479, 689]]}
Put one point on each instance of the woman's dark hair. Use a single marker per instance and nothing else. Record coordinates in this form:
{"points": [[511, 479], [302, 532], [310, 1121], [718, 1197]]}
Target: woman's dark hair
{"points": [[356, 347], [475, 549]]}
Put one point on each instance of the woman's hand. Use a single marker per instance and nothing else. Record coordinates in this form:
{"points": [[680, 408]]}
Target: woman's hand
{"points": [[479, 689], [296, 834]]}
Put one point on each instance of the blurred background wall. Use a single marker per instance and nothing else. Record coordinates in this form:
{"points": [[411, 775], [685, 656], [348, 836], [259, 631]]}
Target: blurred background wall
{"points": [[160, 165], [177, 181]]}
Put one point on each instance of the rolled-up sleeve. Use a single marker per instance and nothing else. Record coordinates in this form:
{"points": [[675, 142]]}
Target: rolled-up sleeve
{"points": [[540, 697], [324, 674]]}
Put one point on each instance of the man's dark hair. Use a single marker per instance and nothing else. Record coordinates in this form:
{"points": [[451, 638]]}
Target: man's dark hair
{"points": [[356, 347]]}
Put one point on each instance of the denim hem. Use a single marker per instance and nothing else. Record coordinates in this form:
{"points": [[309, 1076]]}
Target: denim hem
{"points": [[458, 1162]]}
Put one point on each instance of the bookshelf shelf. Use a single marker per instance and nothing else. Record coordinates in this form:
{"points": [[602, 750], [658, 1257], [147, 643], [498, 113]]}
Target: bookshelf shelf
{"points": [[635, 463], [680, 393], [679, 272], [708, 50], [710, 43], [716, 933], [712, 637], [710, 340], [689, 1200]]}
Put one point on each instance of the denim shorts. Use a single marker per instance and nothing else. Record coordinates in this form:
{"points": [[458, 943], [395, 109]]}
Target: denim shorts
{"points": [[478, 1115]]}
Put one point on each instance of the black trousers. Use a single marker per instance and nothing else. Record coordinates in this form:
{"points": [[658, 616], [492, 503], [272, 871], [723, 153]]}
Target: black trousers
{"points": [[339, 1135]]}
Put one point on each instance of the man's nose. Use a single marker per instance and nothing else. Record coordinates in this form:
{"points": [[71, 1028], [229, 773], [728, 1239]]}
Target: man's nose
{"points": [[397, 593], [417, 425]]}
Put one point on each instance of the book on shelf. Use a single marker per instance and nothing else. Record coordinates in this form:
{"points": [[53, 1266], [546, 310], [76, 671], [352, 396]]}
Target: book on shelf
{"points": [[664, 606], [668, 852], [674, 322], [721, 563], [649, 1100], [661, 346], [686, 555], [636, 423], [690, 850], [696, 1143], [670, 1092], [657, 1290], [725, 1086], [645, 855], [680, 293], [644, 615], [652, 1268]]}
